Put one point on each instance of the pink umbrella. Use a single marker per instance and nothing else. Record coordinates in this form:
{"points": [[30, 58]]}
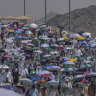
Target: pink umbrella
{"points": [[60, 48], [21, 29], [8, 56]]}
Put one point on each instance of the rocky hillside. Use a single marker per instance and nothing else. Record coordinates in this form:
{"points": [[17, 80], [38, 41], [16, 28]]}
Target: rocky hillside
{"points": [[49, 16], [81, 20]]}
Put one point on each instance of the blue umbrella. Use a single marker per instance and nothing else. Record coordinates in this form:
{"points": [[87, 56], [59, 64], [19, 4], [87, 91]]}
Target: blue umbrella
{"points": [[48, 66], [83, 42], [18, 31], [35, 78], [17, 38]]}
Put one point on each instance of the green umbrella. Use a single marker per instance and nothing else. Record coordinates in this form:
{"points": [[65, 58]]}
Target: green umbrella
{"points": [[80, 83], [25, 28], [70, 69]]}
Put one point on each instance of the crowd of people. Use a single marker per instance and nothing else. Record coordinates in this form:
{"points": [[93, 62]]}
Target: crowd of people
{"points": [[42, 60]]}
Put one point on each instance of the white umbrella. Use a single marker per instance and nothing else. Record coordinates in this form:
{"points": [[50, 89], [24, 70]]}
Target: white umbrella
{"points": [[33, 25], [54, 67], [46, 56], [25, 80], [43, 72], [68, 48], [70, 62], [87, 34], [74, 35], [53, 82], [9, 40], [5, 92], [54, 52], [60, 39], [44, 45], [4, 67], [38, 51], [79, 76]]}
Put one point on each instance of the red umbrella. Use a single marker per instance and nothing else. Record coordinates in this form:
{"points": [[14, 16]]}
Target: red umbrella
{"points": [[46, 75]]}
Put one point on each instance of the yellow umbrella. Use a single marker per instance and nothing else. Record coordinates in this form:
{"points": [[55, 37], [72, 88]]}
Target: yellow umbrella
{"points": [[73, 60], [10, 30], [23, 17], [10, 18], [80, 38], [66, 38], [41, 81], [64, 32]]}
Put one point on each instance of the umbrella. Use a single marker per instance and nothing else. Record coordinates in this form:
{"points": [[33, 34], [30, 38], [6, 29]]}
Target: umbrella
{"points": [[80, 38], [53, 45], [64, 32], [83, 42], [68, 69], [35, 78], [4, 67], [46, 75], [40, 81], [74, 35], [79, 76], [28, 32], [17, 38], [69, 62], [25, 80], [53, 83], [86, 66], [60, 39], [80, 84], [66, 38], [44, 45], [46, 56], [73, 60], [5, 92], [43, 72], [86, 34], [9, 40], [38, 51], [91, 74], [25, 28], [11, 30], [18, 32], [8, 56], [33, 25]]}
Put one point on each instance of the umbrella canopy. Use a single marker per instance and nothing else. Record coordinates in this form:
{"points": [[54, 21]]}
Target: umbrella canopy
{"points": [[25, 80], [60, 39], [66, 38], [5, 92], [35, 78], [33, 25], [40, 73], [86, 34], [69, 62], [73, 60], [80, 38], [11, 30], [4, 67], [9, 40], [68, 69], [74, 35], [53, 83], [18, 32], [44, 45], [80, 84]]}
